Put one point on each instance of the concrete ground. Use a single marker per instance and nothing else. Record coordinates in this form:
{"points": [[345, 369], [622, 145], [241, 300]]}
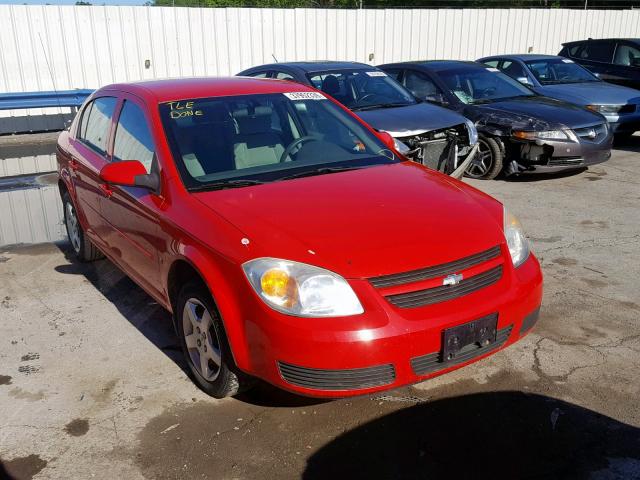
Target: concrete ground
{"points": [[92, 384]]}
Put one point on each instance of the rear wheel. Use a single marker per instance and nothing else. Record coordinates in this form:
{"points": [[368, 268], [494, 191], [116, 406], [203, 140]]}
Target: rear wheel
{"points": [[490, 160], [83, 248], [204, 343]]}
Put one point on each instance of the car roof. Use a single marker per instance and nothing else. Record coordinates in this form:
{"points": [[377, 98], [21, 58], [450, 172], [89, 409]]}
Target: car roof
{"points": [[314, 66], [523, 57], [168, 90], [575, 42], [437, 65]]}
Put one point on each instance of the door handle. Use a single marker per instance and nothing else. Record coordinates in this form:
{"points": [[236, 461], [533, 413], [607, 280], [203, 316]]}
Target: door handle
{"points": [[106, 190]]}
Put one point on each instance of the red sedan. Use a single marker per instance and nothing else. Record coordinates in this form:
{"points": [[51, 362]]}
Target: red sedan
{"points": [[290, 241]]}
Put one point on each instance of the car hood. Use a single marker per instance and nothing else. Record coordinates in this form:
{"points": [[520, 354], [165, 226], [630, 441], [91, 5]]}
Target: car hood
{"points": [[591, 93], [363, 223], [411, 119], [530, 113]]}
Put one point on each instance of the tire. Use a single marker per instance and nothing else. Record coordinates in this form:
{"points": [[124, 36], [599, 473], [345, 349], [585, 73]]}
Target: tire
{"points": [[205, 345], [84, 250], [491, 157]]}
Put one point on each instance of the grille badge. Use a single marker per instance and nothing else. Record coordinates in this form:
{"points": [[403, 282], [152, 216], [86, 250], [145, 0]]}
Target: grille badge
{"points": [[453, 279]]}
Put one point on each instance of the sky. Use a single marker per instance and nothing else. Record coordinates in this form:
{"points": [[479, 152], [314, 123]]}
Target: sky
{"points": [[72, 2]]}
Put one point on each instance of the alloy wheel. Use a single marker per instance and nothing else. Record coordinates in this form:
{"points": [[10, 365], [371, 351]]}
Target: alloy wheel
{"points": [[485, 157], [73, 227], [201, 338]]}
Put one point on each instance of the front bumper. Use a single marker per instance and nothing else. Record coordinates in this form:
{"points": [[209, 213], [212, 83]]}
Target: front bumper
{"points": [[387, 347], [555, 156]]}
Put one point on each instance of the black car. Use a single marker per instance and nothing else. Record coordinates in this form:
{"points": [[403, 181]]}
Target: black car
{"points": [[519, 131], [615, 60], [426, 133]]}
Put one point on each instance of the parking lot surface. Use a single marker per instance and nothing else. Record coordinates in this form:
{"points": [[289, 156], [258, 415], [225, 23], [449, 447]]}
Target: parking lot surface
{"points": [[92, 383]]}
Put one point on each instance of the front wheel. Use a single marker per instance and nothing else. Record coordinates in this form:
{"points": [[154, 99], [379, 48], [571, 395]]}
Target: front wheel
{"points": [[205, 344], [83, 248], [488, 163]]}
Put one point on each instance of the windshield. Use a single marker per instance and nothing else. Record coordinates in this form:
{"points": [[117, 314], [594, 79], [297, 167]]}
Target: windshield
{"points": [[482, 85], [560, 70], [222, 141], [362, 89]]}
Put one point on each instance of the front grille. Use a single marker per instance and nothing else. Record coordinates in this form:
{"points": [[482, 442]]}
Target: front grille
{"points": [[565, 161], [435, 271], [347, 379], [432, 362], [446, 292], [594, 134]]}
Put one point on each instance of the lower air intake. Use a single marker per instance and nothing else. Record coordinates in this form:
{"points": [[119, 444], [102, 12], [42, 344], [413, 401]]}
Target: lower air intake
{"points": [[349, 379]]}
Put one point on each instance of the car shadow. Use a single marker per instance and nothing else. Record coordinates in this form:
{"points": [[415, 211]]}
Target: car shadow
{"points": [[156, 324], [133, 303], [630, 144], [486, 435]]}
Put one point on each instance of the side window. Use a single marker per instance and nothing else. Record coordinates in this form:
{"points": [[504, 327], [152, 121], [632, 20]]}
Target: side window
{"points": [[133, 139], [513, 69], [576, 50], [283, 76], [492, 63], [258, 74], [627, 55], [421, 86], [94, 131], [598, 51]]}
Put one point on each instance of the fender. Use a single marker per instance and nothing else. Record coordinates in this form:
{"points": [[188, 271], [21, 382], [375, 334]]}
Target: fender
{"points": [[224, 297]]}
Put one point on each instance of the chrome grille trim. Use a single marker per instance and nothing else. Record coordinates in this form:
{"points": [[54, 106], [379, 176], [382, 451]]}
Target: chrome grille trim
{"points": [[442, 293]]}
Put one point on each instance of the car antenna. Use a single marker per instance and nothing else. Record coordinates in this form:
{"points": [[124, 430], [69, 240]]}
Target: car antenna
{"points": [[53, 82], [274, 57]]}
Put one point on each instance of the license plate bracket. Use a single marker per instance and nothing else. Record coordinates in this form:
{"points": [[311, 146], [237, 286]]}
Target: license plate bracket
{"points": [[481, 333]]}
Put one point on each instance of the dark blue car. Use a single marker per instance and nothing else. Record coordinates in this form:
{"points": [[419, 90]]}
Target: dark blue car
{"points": [[426, 133], [615, 60], [562, 78], [519, 130]]}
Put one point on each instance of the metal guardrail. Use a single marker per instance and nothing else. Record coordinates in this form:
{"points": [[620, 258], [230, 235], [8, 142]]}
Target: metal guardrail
{"points": [[66, 98]]}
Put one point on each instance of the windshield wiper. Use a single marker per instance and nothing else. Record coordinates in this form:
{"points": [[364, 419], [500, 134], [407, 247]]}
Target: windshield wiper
{"points": [[380, 105], [222, 184], [318, 171]]}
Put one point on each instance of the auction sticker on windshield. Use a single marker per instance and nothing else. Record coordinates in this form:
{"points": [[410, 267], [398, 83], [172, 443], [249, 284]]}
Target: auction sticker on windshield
{"points": [[304, 96], [491, 69], [376, 74]]}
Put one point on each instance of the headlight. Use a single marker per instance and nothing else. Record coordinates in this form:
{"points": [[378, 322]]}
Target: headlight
{"points": [[473, 132], [606, 109], [401, 147], [546, 135], [516, 240], [300, 289]]}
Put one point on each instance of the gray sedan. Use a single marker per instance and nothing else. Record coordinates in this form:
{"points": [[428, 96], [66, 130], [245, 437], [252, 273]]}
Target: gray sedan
{"points": [[561, 78]]}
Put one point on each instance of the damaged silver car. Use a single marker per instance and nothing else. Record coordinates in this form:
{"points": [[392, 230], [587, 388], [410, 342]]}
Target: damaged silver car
{"points": [[428, 134], [519, 131]]}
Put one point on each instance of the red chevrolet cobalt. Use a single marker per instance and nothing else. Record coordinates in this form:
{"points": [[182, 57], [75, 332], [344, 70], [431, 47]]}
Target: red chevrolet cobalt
{"points": [[290, 241]]}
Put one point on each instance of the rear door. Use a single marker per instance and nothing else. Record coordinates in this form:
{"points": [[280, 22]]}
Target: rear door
{"points": [[88, 150], [132, 213]]}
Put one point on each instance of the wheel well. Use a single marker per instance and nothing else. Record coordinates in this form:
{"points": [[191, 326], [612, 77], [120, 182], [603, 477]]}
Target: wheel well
{"points": [[62, 187], [180, 273]]}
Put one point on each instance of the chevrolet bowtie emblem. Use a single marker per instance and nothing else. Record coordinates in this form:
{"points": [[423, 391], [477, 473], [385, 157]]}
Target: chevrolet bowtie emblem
{"points": [[453, 279]]}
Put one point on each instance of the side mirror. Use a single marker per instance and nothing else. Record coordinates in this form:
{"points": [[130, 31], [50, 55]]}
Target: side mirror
{"points": [[129, 173], [524, 80], [388, 140]]}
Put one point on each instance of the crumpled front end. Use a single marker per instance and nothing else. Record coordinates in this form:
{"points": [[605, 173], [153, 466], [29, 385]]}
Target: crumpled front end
{"points": [[444, 150]]}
